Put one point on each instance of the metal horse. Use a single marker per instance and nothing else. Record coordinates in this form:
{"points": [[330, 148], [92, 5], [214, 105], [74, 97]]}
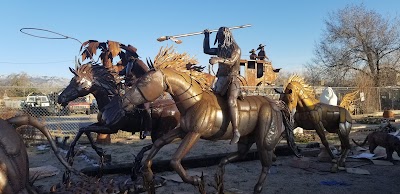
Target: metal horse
{"points": [[204, 115], [14, 164], [97, 80], [311, 114]]}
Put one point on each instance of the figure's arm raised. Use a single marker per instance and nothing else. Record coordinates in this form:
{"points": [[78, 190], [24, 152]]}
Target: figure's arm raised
{"points": [[206, 44]]}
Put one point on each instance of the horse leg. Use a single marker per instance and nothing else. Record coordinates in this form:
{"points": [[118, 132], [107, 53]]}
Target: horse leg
{"points": [[70, 156], [87, 131], [244, 146], [137, 164], [157, 145], [91, 128], [343, 133], [319, 128], [187, 143], [266, 163]]}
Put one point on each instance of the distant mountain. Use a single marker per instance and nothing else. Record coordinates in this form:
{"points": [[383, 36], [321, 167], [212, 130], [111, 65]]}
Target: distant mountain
{"points": [[38, 81], [49, 81]]}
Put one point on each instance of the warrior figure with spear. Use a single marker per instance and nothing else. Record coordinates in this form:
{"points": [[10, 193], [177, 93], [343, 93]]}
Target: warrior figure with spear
{"points": [[227, 55], [228, 59]]}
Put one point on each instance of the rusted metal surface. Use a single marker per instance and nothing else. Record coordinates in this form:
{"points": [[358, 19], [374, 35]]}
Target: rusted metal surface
{"points": [[205, 115], [14, 169], [96, 79], [227, 58], [258, 72]]}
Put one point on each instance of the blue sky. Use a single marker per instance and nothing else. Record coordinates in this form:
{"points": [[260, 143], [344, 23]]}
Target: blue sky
{"points": [[289, 29]]}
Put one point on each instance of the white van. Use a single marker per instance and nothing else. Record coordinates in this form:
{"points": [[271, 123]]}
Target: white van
{"points": [[37, 100]]}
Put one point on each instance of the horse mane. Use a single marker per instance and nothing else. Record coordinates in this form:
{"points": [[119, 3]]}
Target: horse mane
{"points": [[98, 73], [167, 57], [300, 80]]}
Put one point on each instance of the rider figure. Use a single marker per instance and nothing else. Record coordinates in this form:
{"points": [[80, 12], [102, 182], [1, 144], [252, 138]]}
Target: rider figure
{"points": [[261, 53], [253, 55], [228, 58]]}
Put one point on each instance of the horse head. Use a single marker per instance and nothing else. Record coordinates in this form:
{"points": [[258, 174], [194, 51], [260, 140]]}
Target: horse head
{"points": [[87, 78], [146, 89], [289, 97]]}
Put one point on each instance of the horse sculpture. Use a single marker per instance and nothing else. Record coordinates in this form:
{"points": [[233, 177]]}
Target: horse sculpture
{"points": [[99, 81], [14, 164], [311, 114], [204, 115]]}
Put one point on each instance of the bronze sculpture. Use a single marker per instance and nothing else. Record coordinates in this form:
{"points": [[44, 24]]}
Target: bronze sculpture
{"points": [[98, 80], [311, 114], [228, 58], [205, 115], [261, 54], [14, 165], [253, 55], [128, 68]]}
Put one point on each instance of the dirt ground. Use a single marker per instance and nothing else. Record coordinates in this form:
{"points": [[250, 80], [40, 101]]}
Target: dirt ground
{"points": [[241, 177]]}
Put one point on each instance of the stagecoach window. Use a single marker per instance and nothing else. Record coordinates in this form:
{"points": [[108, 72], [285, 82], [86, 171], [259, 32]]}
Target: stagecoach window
{"points": [[242, 70], [251, 64], [260, 70]]}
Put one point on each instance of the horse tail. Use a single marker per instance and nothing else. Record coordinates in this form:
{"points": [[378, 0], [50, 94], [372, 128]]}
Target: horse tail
{"points": [[362, 144], [288, 122]]}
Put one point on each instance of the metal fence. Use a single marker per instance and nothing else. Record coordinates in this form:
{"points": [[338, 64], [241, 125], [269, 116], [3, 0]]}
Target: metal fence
{"points": [[42, 104], [368, 100], [61, 123]]}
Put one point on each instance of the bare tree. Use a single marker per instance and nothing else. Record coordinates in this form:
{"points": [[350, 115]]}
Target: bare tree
{"points": [[313, 74], [360, 40], [20, 83], [316, 74]]}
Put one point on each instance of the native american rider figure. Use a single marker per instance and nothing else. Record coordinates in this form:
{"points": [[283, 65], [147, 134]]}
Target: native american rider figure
{"points": [[228, 58]]}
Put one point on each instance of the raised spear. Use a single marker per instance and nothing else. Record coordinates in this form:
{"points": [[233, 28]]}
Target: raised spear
{"points": [[173, 38]]}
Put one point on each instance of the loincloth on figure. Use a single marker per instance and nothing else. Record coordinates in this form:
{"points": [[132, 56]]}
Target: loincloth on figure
{"points": [[225, 82]]}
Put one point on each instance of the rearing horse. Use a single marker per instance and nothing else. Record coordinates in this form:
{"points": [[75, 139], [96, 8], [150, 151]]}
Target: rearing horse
{"points": [[311, 114], [205, 115], [99, 81]]}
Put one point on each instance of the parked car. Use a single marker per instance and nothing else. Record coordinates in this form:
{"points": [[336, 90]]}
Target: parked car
{"points": [[79, 105], [37, 100], [37, 104]]}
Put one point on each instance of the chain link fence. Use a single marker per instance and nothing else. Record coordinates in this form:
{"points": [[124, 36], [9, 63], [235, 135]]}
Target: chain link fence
{"points": [[42, 103], [368, 100]]}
